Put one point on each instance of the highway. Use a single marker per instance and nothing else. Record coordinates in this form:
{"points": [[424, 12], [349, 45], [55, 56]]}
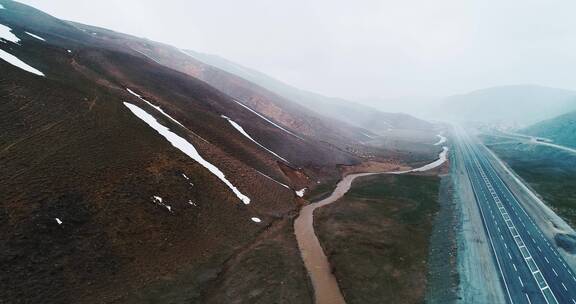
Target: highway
{"points": [[531, 269]]}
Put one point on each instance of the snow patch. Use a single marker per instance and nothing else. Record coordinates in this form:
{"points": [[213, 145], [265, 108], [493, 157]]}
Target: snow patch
{"points": [[158, 201], [6, 34], [58, 221], [301, 192], [256, 220], [155, 107], [268, 177], [441, 141], [13, 60], [35, 36], [163, 113], [268, 120], [243, 132], [186, 147]]}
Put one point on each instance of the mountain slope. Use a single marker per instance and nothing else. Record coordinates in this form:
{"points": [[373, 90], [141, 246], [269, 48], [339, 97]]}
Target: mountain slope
{"points": [[352, 113], [512, 105], [561, 129], [98, 206], [134, 173]]}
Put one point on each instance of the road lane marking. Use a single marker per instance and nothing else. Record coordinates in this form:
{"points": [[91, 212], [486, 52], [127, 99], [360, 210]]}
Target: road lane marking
{"points": [[516, 269], [564, 286], [554, 271], [543, 285], [521, 283], [545, 258]]}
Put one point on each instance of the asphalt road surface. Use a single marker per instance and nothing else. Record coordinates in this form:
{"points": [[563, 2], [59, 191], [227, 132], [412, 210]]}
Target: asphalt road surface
{"points": [[531, 269]]}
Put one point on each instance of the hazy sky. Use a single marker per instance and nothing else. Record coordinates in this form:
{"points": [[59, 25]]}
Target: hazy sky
{"points": [[363, 48]]}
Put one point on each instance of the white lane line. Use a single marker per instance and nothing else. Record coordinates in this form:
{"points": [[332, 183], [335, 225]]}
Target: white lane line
{"points": [[528, 298], [538, 247], [521, 283], [511, 227], [515, 269], [545, 258], [564, 287], [509, 255], [554, 271], [491, 242], [573, 301]]}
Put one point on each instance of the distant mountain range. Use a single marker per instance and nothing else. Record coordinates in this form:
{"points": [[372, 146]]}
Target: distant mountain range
{"points": [[513, 105], [561, 129]]}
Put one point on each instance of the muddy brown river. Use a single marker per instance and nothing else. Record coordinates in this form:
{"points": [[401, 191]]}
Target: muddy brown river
{"points": [[326, 290]]}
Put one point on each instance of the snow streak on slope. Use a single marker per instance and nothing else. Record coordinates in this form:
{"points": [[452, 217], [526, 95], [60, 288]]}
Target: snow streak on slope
{"points": [[13, 60], [268, 177], [35, 36], [162, 112], [6, 34], [268, 120], [243, 132], [186, 147]]}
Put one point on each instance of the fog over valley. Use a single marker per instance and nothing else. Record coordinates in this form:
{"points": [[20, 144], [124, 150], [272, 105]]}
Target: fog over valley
{"points": [[309, 152]]}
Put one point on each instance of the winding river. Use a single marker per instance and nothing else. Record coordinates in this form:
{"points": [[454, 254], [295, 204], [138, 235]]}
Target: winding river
{"points": [[326, 289]]}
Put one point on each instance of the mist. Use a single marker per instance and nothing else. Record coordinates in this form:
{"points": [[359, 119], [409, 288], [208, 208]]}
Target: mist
{"points": [[367, 50]]}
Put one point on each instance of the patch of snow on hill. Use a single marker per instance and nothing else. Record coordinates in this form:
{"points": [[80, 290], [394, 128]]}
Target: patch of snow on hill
{"points": [[268, 120], [268, 177], [186, 147], [13, 60], [301, 192], [243, 132], [158, 200], [7, 35], [163, 113], [35, 36]]}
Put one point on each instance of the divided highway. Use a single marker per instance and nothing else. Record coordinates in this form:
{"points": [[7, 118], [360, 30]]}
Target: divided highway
{"points": [[531, 269]]}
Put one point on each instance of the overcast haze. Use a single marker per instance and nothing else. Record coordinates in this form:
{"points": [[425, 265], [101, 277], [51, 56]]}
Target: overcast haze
{"points": [[359, 49]]}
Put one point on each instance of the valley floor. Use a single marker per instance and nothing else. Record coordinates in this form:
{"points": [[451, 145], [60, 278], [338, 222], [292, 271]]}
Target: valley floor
{"points": [[549, 171], [377, 237]]}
